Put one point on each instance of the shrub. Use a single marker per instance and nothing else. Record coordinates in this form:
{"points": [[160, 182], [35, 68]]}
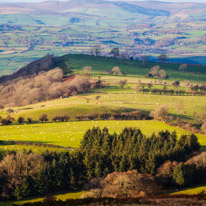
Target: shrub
{"points": [[29, 119], [160, 113], [10, 110], [43, 118], [20, 120], [124, 184], [105, 116]]}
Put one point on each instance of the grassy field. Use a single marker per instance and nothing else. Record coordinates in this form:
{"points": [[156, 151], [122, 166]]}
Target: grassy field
{"points": [[63, 197], [113, 99], [69, 134], [191, 191], [9, 146], [102, 65]]}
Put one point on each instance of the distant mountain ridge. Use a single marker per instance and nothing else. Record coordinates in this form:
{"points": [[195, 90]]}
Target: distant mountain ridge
{"points": [[148, 8]]}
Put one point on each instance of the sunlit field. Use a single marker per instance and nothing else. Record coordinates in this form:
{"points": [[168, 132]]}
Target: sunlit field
{"points": [[69, 134]]}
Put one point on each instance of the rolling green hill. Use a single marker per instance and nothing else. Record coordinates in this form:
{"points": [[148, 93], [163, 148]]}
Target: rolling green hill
{"points": [[102, 65]]}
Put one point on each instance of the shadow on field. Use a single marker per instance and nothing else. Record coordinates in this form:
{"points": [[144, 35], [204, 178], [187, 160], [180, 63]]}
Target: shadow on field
{"points": [[21, 142], [182, 116]]}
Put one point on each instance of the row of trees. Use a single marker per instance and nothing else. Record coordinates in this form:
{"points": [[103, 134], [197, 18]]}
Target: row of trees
{"points": [[197, 90], [24, 174], [132, 150], [135, 115], [96, 50], [166, 91]]}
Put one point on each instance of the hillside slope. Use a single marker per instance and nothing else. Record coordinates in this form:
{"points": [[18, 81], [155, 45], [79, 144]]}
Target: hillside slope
{"points": [[77, 62]]}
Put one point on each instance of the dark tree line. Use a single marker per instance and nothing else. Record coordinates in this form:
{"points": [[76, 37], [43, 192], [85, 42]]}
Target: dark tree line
{"points": [[134, 115], [105, 153], [173, 92]]}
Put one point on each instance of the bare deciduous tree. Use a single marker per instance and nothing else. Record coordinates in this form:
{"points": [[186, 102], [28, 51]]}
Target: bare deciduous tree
{"points": [[87, 70], [116, 70], [160, 113], [43, 118], [15, 167], [122, 83], [96, 50], [115, 52], [179, 107], [162, 74]]}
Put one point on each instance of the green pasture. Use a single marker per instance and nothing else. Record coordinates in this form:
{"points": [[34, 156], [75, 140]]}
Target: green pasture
{"points": [[112, 99], [61, 196], [104, 64], [191, 191], [9, 146], [69, 134]]}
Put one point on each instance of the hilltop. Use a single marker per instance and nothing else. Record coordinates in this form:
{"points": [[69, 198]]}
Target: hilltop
{"points": [[76, 62]]}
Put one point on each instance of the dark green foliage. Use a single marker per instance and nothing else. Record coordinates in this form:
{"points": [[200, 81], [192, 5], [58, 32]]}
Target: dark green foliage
{"points": [[23, 190], [132, 150], [29, 120], [43, 118], [6, 121], [61, 118], [179, 175], [20, 120]]}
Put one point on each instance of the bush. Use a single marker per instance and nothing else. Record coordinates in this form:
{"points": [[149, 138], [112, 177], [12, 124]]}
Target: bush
{"points": [[6, 121], [10, 110], [124, 184], [160, 113], [29, 120], [43, 118], [20, 120], [105, 116], [61, 118]]}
